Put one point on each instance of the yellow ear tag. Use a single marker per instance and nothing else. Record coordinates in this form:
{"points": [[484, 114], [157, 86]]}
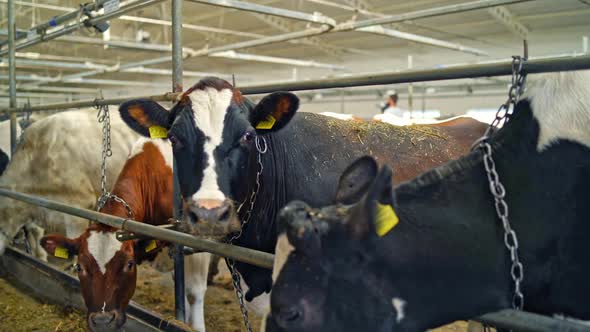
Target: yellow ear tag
{"points": [[151, 246], [386, 219], [158, 132], [61, 252], [267, 123]]}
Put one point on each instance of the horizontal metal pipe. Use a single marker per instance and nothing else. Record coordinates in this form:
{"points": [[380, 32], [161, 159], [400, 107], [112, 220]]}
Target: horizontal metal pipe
{"points": [[93, 21], [502, 68], [528, 322], [254, 257], [425, 13], [193, 27], [379, 30], [89, 103], [58, 20], [455, 72], [252, 7]]}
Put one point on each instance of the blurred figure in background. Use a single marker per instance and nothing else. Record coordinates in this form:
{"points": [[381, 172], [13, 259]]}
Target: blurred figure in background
{"points": [[391, 112], [390, 106]]}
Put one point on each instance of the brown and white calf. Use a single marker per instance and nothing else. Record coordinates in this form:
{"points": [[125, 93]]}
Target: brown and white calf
{"points": [[107, 268]]}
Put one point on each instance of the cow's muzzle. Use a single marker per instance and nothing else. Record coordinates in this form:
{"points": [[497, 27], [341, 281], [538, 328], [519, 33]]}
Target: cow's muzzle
{"points": [[210, 218], [109, 321]]}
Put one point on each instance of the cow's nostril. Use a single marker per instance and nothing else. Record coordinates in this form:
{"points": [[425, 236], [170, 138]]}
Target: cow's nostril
{"points": [[224, 214], [193, 217]]}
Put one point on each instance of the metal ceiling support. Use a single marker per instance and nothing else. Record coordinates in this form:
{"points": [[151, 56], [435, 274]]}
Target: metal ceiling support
{"points": [[168, 72], [53, 64], [36, 78], [75, 26], [73, 15], [380, 30], [504, 16], [358, 5], [286, 26], [363, 7], [41, 95], [345, 7], [39, 56], [425, 13], [139, 70], [12, 72], [194, 27], [260, 9], [50, 89], [310, 32], [272, 59], [168, 48]]}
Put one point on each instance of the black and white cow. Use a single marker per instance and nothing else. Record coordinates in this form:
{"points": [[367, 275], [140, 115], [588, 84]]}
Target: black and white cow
{"points": [[432, 251], [214, 132]]}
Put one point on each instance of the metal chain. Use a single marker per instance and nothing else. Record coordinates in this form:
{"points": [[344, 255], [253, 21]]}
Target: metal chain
{"points": [[496, 187], [105, 118], [262, 149]]}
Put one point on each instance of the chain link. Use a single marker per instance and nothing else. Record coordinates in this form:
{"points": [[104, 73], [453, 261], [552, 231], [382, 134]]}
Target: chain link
{"points": [[104, 117], [261, 148], [496, 187]]}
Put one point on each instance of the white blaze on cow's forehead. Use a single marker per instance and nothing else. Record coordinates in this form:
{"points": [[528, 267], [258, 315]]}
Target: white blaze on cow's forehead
{"points": [[282, 251], [210, 107], [399, 308], [561, 104], [103, 246]]}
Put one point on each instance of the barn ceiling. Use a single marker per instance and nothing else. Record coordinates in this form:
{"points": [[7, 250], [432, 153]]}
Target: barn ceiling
{"points": [[47, 72]]}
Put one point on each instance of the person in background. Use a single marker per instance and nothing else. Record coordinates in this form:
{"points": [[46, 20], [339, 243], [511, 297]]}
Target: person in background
{"points": [[391, 106], [391, 112]]}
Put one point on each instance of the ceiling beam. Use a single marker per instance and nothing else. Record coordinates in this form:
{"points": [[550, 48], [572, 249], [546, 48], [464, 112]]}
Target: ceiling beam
{"points": [[504, 16]]}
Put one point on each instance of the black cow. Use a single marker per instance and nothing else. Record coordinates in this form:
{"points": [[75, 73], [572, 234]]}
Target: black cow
{"points": [[432, 251], [214, 131]]}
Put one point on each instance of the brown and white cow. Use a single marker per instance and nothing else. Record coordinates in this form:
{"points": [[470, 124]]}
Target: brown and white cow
{"points": [[107, 268], [58, 157]]}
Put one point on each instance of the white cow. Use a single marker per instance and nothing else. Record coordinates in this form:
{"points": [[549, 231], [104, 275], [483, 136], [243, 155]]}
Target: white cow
{"points": [[59, 158]]}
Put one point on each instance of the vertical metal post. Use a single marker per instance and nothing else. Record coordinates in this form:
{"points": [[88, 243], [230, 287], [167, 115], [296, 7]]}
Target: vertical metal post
{"points": [[410, 87], [12, 73], [179, 296]]}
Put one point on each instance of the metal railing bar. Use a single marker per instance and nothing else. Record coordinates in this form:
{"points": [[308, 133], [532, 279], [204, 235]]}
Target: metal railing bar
{"points": [[250, 256], [533, 66], [499, 68]]}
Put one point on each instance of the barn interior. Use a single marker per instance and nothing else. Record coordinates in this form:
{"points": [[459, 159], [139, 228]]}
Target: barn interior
{"points": [[131, 55]]}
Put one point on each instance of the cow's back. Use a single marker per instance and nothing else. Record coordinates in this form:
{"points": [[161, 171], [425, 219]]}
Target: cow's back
{"points": [[333, 144], [59, 157]]}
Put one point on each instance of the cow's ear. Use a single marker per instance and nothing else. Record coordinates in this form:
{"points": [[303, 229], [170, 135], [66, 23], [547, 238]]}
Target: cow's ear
{"points": [[60, 246], [146, 117], [356, 180], [147, 249], [274, 111], [376, 213]]}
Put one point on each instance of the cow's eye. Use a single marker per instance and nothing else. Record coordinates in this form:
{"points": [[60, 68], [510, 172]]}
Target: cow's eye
{"points": [[130, 265], [248, 137], [78, 267]]}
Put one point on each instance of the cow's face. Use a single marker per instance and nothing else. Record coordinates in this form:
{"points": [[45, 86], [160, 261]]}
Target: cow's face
{"points": [[107, 272], [213, 131], [327, 273]]}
